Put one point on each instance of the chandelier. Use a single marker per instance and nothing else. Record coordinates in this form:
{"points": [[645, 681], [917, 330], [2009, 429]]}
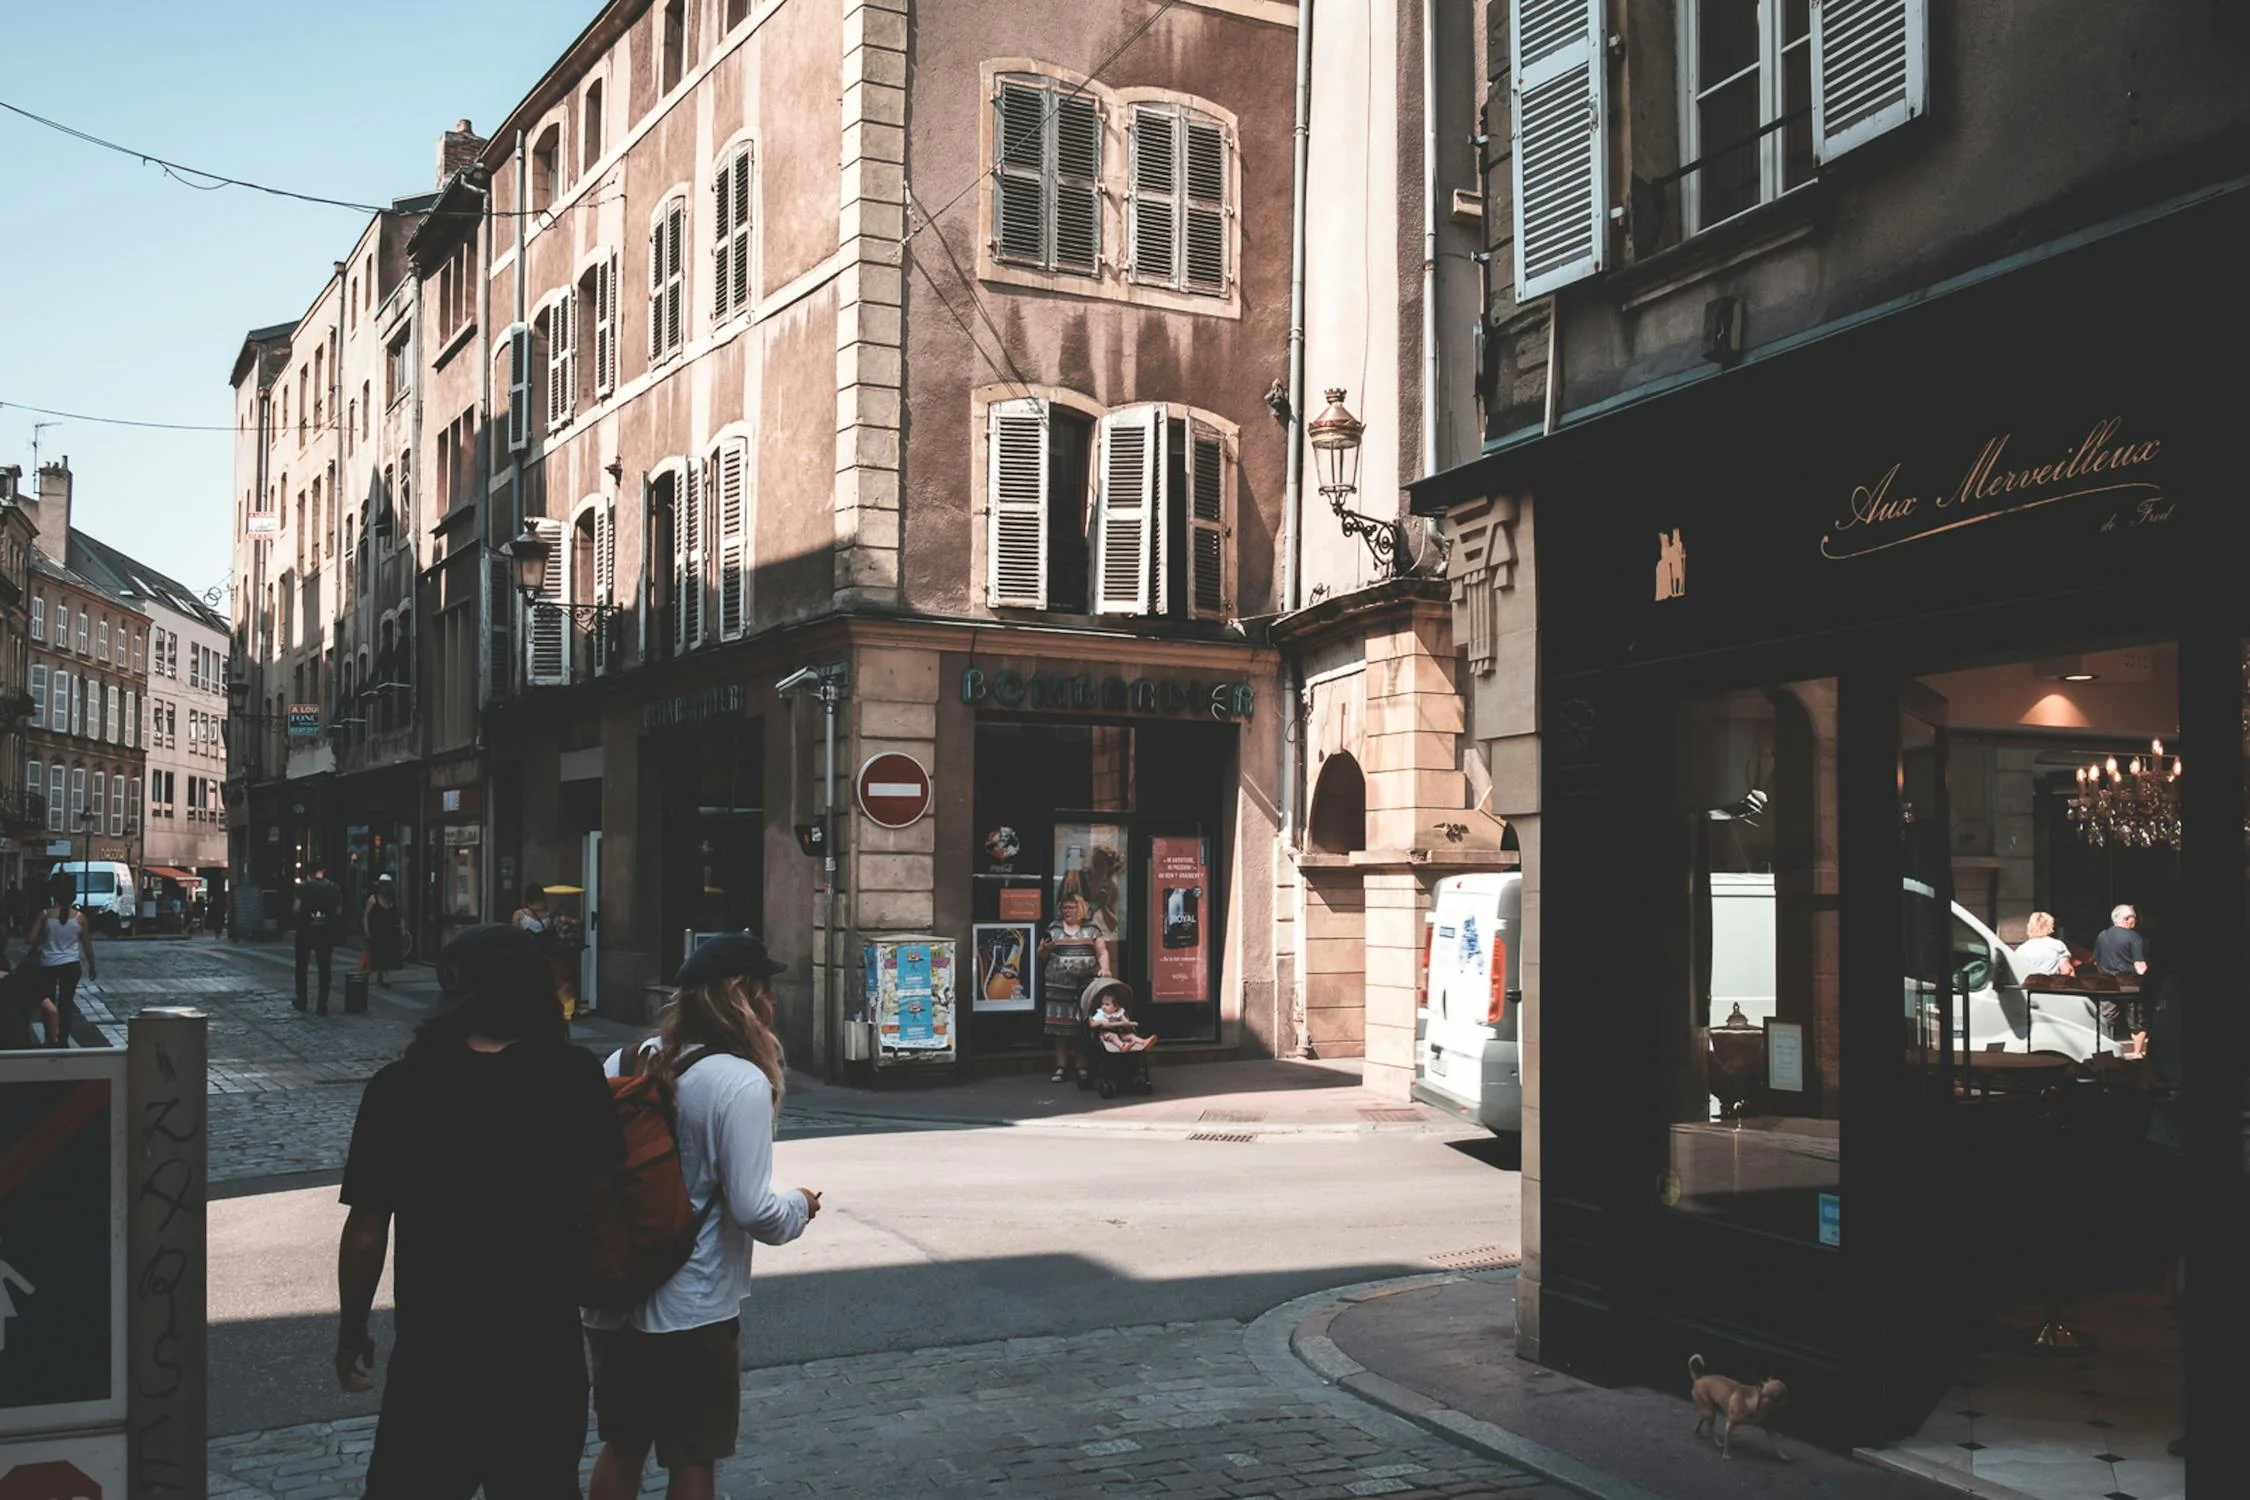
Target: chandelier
{"points": [[2133, 806]]}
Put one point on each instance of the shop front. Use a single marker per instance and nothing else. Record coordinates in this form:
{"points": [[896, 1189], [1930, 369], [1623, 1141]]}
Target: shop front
{"points": [[1875, 674], [453, 874]]}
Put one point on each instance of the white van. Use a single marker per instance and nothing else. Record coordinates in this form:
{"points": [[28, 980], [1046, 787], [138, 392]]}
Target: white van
{"points": [[105, 890], [1470, 1062]]}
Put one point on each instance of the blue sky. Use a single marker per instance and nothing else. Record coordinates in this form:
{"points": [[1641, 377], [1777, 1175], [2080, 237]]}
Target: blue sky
{"points": [[125, 294]]}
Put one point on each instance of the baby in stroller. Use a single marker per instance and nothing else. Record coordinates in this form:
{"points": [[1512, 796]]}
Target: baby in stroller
{"points": [[1114, 1048]]}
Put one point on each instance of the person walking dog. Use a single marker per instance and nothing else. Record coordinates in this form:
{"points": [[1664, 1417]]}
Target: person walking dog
{"points": [[667, 1373], [479, 1144]]}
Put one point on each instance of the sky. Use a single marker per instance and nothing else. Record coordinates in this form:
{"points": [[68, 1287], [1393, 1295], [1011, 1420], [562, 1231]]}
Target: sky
{"points": [[125, 294]]}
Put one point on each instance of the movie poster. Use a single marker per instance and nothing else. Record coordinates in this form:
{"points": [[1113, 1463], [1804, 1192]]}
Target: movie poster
{"points": [[1004, 968], [1179, 947]]}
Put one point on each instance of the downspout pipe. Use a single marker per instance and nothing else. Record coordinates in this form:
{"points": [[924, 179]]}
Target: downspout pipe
{"points": [[1429, 238], [1292, 520]]}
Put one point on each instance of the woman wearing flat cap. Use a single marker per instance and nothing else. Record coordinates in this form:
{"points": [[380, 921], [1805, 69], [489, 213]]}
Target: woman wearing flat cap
{"points": [[667, 1375]]}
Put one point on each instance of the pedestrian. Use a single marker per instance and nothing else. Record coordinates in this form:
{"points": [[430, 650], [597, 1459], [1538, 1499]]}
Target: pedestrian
{"points": [[1072, 957], [62, 944], [478, 1144], [536, 918], [667, 1375], [2042, 952], [318, 905], [2122, 953], [380, 922]]}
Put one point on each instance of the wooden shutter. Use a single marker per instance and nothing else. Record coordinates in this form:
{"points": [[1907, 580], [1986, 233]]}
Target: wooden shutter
{"points": [[1016, 503], [605, 581], [675, 279], [687, 561], [1210, 581], [1132, 460], [561, 363], [38, 697], [1077, 184], [519, 388], [741, 231], [1153, 208], [1204, 247], [546, 628], [656, 289], [605, 326], [1560, 161], [731, 479], [722, 240], [1020, 131], [1871, 70]]}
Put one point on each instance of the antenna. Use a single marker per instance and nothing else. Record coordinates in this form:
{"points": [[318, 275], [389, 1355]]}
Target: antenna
{"points": [[36, 429]]}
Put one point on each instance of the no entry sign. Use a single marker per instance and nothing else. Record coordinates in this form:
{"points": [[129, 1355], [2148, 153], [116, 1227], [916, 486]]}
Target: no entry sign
{"points": [[893, 790]]}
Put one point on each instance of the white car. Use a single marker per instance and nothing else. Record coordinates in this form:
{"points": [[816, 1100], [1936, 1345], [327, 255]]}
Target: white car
{"points": [[1468, 1059]]}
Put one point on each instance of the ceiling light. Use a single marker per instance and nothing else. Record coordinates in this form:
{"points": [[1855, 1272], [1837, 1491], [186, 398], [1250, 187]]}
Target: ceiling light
{"points": [[2079, 676]]}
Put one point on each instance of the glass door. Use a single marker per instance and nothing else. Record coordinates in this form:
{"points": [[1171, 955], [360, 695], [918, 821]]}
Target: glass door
{"points": [[1926, 899]]}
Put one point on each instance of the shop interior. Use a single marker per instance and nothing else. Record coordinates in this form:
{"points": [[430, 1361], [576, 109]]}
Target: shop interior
{"points": [[2036, 800]]}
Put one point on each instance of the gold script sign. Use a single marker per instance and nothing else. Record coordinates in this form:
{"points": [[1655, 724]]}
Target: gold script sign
{"points": [[1883, 515]]}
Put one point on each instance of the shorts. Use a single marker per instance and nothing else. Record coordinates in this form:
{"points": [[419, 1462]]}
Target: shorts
{"points": [[507, 1415], [680, 1393]]}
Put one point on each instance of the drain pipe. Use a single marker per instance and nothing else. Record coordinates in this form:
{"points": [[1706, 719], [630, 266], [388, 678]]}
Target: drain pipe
{"points": [[1429, 238], [831, 689], [1292, 526]]}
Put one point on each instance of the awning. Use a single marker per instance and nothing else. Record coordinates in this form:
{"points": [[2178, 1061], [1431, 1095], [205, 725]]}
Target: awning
{"points": [[184, 877]]}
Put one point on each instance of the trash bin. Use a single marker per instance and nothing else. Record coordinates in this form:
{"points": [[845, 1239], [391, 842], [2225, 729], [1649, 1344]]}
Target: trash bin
{"points": [[355, 994]]}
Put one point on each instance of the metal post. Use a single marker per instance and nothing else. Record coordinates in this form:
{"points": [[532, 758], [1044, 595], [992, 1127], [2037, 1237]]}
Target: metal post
{"points": [[167, 1269], [831, 1013]]}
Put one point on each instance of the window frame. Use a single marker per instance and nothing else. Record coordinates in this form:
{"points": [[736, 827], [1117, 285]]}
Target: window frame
{"points": [[734, 219], [669, 228], [1771, 70], [1180, 200]]}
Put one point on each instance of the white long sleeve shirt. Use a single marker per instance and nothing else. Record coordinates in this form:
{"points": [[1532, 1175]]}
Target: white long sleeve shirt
{"points": [[726, 1121]]}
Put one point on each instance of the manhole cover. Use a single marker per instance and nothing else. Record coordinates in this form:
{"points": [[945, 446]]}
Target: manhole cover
{"points": [[1482, 1258], [1233, 1116], [1392, 1116], [1238, 1137]]}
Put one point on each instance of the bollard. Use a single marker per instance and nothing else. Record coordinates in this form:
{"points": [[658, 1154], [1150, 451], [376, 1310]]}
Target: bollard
{"points": [[166, 1261]]}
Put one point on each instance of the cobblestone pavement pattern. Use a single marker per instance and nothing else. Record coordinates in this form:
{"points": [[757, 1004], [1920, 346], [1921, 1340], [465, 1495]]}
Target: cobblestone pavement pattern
{"points": [[1178, 1411]]}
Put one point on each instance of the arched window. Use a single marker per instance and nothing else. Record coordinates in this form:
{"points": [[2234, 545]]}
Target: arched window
{"points": [[1338, 824]]}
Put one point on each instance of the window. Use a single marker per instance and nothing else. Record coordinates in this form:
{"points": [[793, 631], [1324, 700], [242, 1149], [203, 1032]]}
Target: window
{"points": [[113, 722], [38, 696], [119, 657], [590, 128], [320, 388], [38, 617], [34, 789], [555, 343], [729, 480], [85, 622], [1164, 519], [665, 283], [737, 12], [1177, 203], [101, 639], [55, 798], [95, 798], [117, 805], [132, 719], [351, 304], [1038, 462], [77, 797], [1047, 168], [351, 425], [136, 650], [518, 356], [597, 289], [672, 54], [304, 400], [687, 559], [730, 236], [133, 792], [59, 720], [366, 408], [546, 628], [398, 372], [1747, 65], [546, 168]]}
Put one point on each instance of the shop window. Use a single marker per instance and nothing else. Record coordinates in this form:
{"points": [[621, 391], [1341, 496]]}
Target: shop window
{"points": [[1338, 824], [1751, 1040]]}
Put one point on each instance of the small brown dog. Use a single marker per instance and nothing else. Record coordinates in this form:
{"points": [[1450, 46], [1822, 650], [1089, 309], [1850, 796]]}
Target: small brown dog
{"points": [[1728, 1404]]}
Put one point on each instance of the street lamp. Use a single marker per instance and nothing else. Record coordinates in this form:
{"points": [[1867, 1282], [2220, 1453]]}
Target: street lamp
{"points": [[531, 552], [1334, 436]]}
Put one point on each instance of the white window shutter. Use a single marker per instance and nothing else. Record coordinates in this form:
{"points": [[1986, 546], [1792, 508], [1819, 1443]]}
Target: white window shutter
{"points": [[1021, 129], [687, 567], [722, 240], [1561, 155], [1204, 241], [1016, 504], [675, 276], [656, 289], [1152, 206], [519, 388], [560, 337], [546, 628], [1077, 184], [731, 469], [740, 222], [605, 326], [1210, 583], [1132, 460], [1871, 70]]}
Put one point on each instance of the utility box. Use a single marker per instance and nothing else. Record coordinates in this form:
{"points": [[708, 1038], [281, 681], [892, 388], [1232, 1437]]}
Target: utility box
{"points": [[910, 1006]]}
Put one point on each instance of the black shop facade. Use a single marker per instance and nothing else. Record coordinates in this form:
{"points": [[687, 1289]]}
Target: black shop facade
{"points": [[1105, 799], [1864, 666]]}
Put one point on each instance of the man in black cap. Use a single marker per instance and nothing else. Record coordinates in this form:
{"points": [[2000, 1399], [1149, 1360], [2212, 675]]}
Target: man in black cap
{"points": [[478, 1144], [319, 903]]}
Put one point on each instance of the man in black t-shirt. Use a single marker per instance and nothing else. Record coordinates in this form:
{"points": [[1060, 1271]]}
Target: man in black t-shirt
{"points": [[477, 1145], [319, 904], [2122, 953]]}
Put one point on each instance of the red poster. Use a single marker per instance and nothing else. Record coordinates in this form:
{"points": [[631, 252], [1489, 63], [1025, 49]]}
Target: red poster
{"points": [[1179, 935]]}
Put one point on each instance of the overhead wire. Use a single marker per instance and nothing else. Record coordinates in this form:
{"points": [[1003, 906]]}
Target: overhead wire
{"points": [[80, 416]]}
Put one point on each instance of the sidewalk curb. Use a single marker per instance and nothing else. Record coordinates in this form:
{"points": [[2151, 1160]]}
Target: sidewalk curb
{"points": [[1291, 1346], [1177, 1129]]}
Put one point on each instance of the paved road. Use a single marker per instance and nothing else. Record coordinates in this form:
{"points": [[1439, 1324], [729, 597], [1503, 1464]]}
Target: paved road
{"points": [[992, 1301]]}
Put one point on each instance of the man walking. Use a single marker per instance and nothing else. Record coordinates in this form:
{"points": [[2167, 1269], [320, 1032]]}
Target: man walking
{"points": [[2122, 953], [318, 905], [478, 1144]]}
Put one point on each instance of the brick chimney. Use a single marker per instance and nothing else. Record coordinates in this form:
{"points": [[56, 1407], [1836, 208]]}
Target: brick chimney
{"points": [[456, 149], [51, 511]]}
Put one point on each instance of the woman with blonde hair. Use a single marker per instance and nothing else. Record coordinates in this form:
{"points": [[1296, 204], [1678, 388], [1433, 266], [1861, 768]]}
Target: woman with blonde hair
{"points": [[2042, 952], [667, 1375]]}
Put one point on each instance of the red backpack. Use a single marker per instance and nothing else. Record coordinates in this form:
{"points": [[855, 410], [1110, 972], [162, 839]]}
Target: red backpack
{"points": [[639, 1226]]}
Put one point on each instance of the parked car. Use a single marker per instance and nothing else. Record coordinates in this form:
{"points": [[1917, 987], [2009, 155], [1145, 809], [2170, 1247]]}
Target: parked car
{"points": [[1470, 1061], [106, 891]]}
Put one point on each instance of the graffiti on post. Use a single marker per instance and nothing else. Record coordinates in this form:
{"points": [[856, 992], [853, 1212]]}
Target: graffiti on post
{"points": [[166, 1270]]}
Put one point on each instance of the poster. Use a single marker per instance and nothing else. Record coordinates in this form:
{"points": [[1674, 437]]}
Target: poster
{"points": [[1021, 903], [910, 995], [1179, 932], [1090, 872], [1004, 968], [1785, 1056]]}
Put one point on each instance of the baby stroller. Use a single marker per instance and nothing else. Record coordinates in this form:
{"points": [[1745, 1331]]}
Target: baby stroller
{"points": [[1106, 1070]]}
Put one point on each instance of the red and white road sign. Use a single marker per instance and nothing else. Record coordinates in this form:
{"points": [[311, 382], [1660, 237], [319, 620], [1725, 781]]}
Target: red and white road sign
{"points": [[893, 790]]}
